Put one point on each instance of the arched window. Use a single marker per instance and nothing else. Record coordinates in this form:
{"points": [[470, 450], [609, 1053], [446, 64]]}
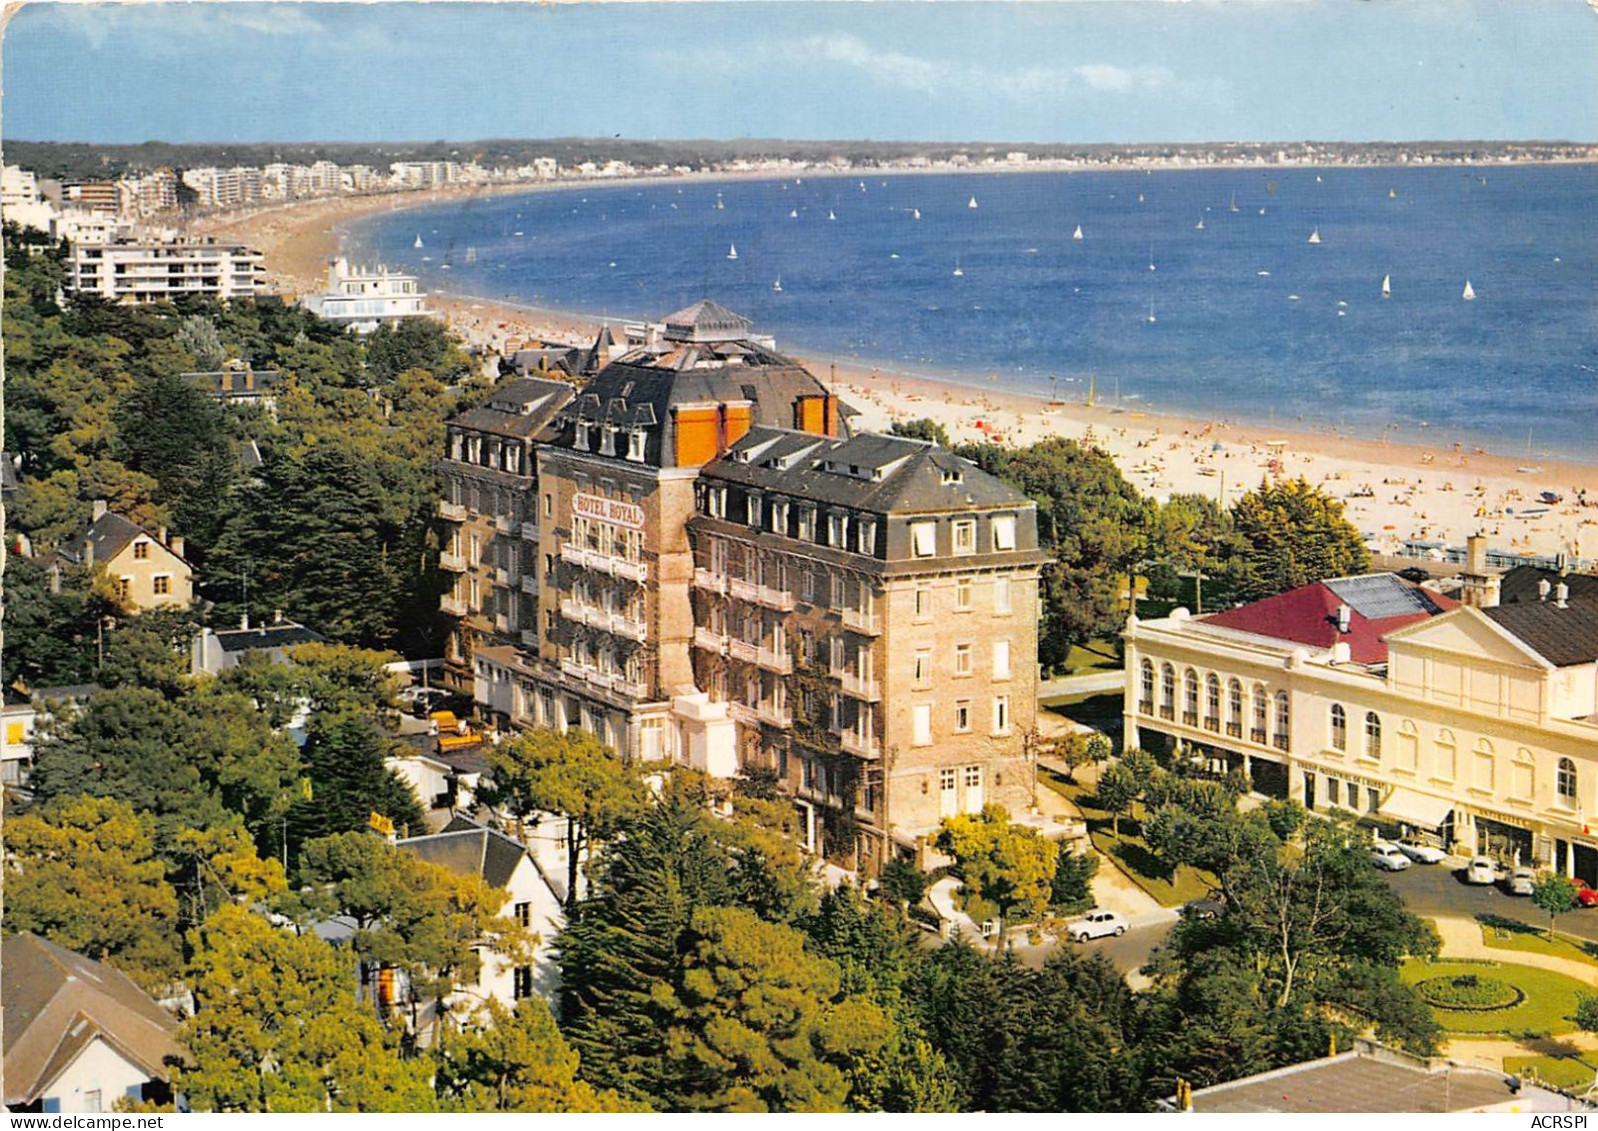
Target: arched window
{"points": [[1148, 685], [1523, 776], [1565, 783], [1447, 751], [1373, 736], [1283, 720], [1485, 768], [1190, 697], [1167, 691], [1408, 746], [1339, 727], [1261, 714], [1212, 702], [1234, 708]]}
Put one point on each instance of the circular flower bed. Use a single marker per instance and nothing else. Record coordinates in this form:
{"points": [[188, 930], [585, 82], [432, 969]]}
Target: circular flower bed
{"points": [[1469, 993]]}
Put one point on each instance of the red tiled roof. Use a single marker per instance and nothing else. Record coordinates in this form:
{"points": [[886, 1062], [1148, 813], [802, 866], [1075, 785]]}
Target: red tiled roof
{"points": [[1308, 615]]}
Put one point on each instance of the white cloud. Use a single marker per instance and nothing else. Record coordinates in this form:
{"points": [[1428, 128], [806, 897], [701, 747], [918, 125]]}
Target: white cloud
{"points": [[1116, 80], [167, 24], [892, 67]]}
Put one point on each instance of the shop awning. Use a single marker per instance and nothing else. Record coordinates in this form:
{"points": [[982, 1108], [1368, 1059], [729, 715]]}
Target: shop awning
{"points": [[1416, 809]]}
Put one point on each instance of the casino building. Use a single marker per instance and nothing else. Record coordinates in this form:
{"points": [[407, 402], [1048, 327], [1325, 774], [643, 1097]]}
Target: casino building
{"points": [[717, 572]]}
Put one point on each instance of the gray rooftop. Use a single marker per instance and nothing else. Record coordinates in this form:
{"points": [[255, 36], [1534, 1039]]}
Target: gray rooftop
{"points": [[706, 321], [470, 850], [1380, 595], [1564, 637], [518, 409]]}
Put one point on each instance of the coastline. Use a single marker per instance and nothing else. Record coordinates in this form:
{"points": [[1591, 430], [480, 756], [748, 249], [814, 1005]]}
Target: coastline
{"points": [[1417, 492]]}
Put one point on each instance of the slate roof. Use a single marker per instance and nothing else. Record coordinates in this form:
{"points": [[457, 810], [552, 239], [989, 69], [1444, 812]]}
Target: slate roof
{"points": [[57, 1002], [284, 635], [1563, 637], [520, 408], [706, 321], [1308, 615], [110, 534], [868, 472], [469, 849], [1519, 585]]}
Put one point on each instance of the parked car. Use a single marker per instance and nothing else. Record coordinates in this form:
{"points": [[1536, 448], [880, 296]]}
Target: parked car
{"points": [[1522, 881], [1585, 896], [1096, 924], [1388, 857], [1422, 853], [1208, 907], [1483, 870]]}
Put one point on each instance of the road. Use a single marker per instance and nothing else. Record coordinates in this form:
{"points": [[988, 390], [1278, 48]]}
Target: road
{"points": [[1435, 889]]}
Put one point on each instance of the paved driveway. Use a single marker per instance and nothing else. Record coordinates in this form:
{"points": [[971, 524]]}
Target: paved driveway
{"points": [[1430, 890]]}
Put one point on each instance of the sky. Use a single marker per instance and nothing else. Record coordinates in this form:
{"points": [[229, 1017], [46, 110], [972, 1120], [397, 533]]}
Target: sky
{"points": [[990, 70]]}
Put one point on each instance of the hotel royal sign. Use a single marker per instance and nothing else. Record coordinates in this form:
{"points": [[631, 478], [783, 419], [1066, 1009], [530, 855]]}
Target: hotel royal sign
{"points": [[614, 511]]}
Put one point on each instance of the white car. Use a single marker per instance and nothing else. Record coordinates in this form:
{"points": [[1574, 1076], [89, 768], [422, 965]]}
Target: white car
{"points": [[1388, 858], [1482, 870], [1422, 853], [1096, 924], [1522, 881]]}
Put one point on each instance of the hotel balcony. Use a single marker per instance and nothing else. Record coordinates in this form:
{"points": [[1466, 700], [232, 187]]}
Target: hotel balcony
{"points": [[603, 619], [773, 715], [530, 639], [710, 641], [782, 600], [1146, 706], [575, 669], [625, 626], [743, 650], [504, 524], [710, 582], [501, 623], [742, 590], [1190, 718], [774, 661], [503, 577], [1258, 736], [452, 606], [621, 685], [530, 584], [867, 624], [604, 563], [530, 531], [454, 563], [451, 512], [1281, 743], [860, 688], [743, 714], [860, 747]]}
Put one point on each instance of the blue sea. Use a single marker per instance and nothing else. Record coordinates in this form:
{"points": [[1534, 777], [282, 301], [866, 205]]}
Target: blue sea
{"points": [[1241, 319]]}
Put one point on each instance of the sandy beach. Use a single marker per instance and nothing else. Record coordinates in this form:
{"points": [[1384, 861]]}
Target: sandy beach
{"points": [[1394, 492]]}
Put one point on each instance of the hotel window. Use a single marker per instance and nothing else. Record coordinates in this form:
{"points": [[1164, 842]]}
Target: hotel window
{"points": [[1261, 713], [1001, 659], [923, 603], [1234, 702], [837, 529], [923, 669], [1001, 714], [1148, 684], [1004, 532], [549, 505], [1565, 783], [1373, 736], [1167, 686], [965, 536], [962, 659], [779, 516], [1523, 776], [752, 510], [806, 648], [523, 983], [607, 440], [1190, 693], [1212, 700], [962, 717], [923, 539], [837, 591], [1485, 765], [635, 446], [921, 716], [1339, 727], [962, 595], [807, 524], [867, 533], [1408, 746], [163, 584], [1001, 595], [1283, 718], [141, 550]]}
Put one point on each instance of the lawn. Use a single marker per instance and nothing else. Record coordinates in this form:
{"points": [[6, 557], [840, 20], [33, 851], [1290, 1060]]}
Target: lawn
{"points": [[1550, 998], [1094, 656], [1572, 1073], [1511, 934], [1171, 886]]}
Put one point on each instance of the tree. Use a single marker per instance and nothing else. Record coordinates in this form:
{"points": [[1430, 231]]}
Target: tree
{"points": [[924, 428], [277, 1028], [1117, 789], [1005, 866], [349, 780], [755, 1023], [1553, 894], [902, 882], [1073, 879], [1293, 534], [502, 1060], [83, 872], [172, 430], [570, 773], [50, 634]]}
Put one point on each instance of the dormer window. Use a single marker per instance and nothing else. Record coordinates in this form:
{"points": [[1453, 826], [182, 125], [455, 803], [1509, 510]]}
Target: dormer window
{"points": [[965, 536], [752, 511], [867, 532], [635, 445], [807, 523], [580, 440], [716, 500], [837, 529], [923, 539], [607, 440], [1004, 532], [951, 476], [779, 515]]}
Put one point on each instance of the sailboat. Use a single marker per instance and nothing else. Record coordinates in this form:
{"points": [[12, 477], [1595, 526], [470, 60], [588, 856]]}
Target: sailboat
{"points": [[1151, 258], [915, 213], [793, 214], [418, 242], [1315, 236], [831, 215], [1076, 235], [777, 285], [1470, 292], [1140, 198], [1387, 286], [1318, 178], [1233, 206], [1199, 227], [972, 203], [732, 251], [1391, 195], [957, 272], [1151, 310], [719, 203], [471, 255]]}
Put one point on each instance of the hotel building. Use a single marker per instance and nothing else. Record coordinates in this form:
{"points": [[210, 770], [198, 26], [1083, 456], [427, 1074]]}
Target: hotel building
{"points": [[141, 271], [1472, 724], [728, 579]]}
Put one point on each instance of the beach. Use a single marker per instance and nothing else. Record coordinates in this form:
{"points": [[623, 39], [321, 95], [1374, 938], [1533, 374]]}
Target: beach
{"points": [[1395, 493]]}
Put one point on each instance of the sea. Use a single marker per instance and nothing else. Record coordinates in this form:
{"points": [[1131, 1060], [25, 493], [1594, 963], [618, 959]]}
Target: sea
{"points": [[1247, 295]]}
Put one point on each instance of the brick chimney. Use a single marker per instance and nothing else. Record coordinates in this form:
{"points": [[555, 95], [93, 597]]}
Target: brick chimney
{"points": [[99, 510], [1478, 588]]}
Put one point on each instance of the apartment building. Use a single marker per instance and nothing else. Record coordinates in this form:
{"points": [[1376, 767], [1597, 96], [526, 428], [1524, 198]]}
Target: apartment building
{"points": [[491, 533], [141, 271], [1472, 724], [868, 607], [726, 578]]}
